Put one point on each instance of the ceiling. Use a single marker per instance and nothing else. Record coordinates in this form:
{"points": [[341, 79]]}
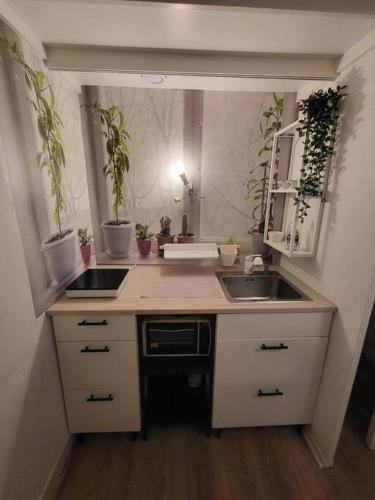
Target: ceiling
{"points": [[306, 28], [180, 26]]}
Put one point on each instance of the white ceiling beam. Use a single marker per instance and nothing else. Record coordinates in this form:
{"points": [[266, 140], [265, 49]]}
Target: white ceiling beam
{"points": [[182, 62]]}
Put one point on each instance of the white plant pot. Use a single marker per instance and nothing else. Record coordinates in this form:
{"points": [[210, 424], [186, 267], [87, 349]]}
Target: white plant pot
{"points": [[117, 239], [60, 257]]}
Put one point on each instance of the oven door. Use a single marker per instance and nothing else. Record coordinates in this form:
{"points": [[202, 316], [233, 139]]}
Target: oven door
{"points": [[170, 338]]}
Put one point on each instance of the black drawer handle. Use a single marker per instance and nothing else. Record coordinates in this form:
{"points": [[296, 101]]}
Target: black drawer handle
{"points": [[93, 398], [93, 323], [88, 349], [276, 392], [279, 347]]}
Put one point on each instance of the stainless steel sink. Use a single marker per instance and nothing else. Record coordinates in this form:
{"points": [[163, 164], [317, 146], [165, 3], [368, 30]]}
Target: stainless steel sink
{"points": [[258, 287]]}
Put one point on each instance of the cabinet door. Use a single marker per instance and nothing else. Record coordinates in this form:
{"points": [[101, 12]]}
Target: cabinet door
{"points": [[278, 325], [114, 410], [263, 404], [269, 360], [86, 365], [87, 327]]}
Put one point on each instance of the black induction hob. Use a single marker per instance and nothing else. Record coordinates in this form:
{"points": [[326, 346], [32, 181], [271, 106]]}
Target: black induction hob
{"points": [[97, 283]]}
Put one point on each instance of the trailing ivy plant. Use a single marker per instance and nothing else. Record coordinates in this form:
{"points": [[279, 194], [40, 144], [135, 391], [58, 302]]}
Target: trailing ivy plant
{"points": [[259, 183], [320, 114], [52, 156], [112, 121]]}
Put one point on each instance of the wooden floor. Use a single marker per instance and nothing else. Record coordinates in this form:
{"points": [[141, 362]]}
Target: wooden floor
{"points": [[180, 463]]}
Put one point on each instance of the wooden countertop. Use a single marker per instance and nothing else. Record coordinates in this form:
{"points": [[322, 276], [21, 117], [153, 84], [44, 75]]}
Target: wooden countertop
{"points": [[133, 298]]}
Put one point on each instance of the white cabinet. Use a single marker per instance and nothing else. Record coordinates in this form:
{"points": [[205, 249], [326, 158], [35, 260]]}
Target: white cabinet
{"points": [[268, 368], [98, 360]]}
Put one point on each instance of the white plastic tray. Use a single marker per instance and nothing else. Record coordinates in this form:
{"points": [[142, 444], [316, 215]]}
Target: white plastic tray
{"points": [[190, 251]]}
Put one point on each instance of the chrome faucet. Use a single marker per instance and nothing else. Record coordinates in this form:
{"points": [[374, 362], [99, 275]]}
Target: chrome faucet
{"points": [[253, 263]]}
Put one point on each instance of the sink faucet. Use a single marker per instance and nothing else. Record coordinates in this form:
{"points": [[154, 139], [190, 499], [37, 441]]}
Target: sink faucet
{"points": [[253, 263]]}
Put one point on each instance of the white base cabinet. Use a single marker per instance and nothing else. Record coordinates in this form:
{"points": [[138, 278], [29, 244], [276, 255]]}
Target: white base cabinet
{"points": [[268, 368], [98, 358]]}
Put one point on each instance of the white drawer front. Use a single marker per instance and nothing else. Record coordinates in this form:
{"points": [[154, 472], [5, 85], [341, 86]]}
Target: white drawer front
{"points": [[243, 362], [94, 327], [119, 414], [242, 407], [87, 365], [278, 325]]}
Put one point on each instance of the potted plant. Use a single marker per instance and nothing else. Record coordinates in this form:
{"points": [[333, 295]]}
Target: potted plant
{"points": [[117, 232], [318, 124], [259, 182], [144, 236], [164, 235], [59, 249], [184, 236], [85, 240]]}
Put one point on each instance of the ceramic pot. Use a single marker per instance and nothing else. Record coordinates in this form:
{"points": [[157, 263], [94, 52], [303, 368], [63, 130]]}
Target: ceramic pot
{"points": [[86, 253], [60, 256], [188, 238], [117, 238], [144, 246], [162, 239]]}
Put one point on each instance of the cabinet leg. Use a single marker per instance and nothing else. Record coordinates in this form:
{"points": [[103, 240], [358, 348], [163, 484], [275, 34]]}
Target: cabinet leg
{"points": [[134, 437], [218, 433], [144, 435], [80, 438], [299, 429], [208, 431]]}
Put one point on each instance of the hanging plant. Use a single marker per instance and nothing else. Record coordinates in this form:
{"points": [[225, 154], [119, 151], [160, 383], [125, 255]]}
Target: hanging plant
{"points": [[320, 114], [112, 119], [52, 156], [259, 181]]}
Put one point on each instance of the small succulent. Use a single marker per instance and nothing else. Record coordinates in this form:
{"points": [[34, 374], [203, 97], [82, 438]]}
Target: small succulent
{"points": [[165, 224], [84, 237], [143, 232], [231, 240], [184, 225]]}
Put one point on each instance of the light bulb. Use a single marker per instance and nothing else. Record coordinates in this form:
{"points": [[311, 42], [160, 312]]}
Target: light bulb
{"points": [[176, 169]]}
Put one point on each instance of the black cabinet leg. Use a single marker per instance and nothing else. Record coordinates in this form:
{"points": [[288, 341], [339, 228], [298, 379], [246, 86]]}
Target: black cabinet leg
{"points": [[134, 437], [218, 433], [80, 438], [144, 435], [300, 429]]}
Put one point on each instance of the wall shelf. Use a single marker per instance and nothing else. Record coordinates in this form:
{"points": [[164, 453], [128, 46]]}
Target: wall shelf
{"points": [[282, 211]]}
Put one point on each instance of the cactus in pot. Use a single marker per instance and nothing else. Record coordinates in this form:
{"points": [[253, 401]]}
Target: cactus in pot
{"points": [[164, 235], [184, 236]]}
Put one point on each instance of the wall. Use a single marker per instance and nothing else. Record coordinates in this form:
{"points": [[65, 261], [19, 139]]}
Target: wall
{"points": [[343, 269], [33, 431], [32, 420]]}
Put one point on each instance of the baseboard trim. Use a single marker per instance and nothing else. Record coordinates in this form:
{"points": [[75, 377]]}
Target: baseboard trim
{"points": [[58, 470], [323, 460]]}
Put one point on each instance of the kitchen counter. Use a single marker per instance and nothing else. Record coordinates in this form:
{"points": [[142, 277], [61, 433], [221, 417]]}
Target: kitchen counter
{"points": [[146, 292]]}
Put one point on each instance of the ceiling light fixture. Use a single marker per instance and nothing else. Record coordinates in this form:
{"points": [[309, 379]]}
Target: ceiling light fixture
{"points": [[154, 79]]}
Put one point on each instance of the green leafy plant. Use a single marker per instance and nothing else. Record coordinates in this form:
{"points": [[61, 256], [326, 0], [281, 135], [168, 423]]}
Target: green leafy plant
{"points": [[84, 237], [165, 225], [320, 115], [112, 120], [259, 182], [231, 240], [143, 232], [52, 156]]}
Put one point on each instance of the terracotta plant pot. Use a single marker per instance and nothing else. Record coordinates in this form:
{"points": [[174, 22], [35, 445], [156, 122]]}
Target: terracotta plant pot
{"points": [[117, 238], [144, 246], [162, 239], [60, 255], [86, 253], [188, 238]]}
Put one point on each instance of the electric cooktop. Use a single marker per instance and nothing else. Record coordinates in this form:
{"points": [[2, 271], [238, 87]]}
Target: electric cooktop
{"points": [[97, 283]]}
